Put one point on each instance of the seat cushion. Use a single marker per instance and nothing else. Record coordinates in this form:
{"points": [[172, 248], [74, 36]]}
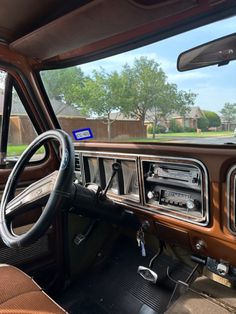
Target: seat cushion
{"points": [[20, 294]]}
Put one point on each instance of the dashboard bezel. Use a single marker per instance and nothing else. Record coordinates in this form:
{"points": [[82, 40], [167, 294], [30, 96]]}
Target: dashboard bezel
{"points": [[231, 199], [141, 204], [131, 157], [205, 189]]}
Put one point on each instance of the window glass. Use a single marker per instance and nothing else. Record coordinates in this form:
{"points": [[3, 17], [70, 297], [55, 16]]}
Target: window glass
{"points": [[21, 131], [140, 96], [2, 89]]}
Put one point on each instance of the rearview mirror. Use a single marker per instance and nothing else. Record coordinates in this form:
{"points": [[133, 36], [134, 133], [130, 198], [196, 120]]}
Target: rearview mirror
{"points": [[220, 51]]}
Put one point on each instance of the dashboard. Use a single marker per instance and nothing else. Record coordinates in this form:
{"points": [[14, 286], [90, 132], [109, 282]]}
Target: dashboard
{"points": [[176, 187], [188, 197]]}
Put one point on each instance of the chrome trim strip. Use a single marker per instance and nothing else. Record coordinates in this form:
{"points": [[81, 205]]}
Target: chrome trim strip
{"points": [[231, 170], [139, 158], [204, 194]]}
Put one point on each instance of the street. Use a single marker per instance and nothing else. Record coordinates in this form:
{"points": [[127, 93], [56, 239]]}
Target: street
{"points": [[205, 140]]}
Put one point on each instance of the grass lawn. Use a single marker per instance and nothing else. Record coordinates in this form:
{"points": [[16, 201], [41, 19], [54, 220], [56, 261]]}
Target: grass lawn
{"points": [[169, 136], [194, 134], [17, 150]]}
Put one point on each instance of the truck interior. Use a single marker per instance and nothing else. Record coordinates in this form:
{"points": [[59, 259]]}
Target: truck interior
{"points": [[110, 225]]}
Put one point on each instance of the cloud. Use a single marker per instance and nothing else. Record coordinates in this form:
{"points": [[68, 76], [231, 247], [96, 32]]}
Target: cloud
{"points": [[214, 97], [185, 76], [116, 62]]}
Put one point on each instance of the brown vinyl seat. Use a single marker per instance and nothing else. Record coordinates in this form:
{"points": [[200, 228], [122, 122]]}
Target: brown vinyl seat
{"points": [[19, 294]]}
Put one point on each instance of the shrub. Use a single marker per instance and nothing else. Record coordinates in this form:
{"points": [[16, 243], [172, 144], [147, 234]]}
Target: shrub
{"points": [[150, 129], [203, 124], [175, 127], [188, 129], [158, 129], [213, 118]]}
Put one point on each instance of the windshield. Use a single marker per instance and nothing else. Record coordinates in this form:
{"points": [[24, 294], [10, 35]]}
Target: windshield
{"points": [[140, 96]]}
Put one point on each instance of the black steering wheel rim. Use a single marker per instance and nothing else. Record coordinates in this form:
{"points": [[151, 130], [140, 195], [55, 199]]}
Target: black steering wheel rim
{"points": [[58, 197]]}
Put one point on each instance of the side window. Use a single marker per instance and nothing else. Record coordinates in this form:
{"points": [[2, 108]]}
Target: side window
{"points": [[21, 131]]}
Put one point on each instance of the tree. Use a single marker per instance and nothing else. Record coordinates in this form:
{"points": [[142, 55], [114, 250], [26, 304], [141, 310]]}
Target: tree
{"points": [[101, 95], [64, 83], [149, 96], [185, 99], [228, 113], [143, 87], [213, 118], [203, 123], [170, 100]]}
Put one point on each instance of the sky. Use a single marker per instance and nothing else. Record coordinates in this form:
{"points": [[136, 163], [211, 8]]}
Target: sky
{"points": [[214, 85]]}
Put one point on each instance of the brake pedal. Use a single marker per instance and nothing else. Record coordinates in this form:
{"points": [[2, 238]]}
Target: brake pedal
{"points": [[147, 274]]}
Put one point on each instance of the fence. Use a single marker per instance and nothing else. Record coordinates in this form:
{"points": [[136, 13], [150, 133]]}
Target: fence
{"points": [[22, 132]]}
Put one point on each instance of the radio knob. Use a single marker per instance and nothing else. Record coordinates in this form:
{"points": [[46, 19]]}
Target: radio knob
{"points": [[150, 195], [190, 204]]}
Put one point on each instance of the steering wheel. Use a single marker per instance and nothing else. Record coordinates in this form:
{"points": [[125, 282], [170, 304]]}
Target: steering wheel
{"points": [[53, 191]]}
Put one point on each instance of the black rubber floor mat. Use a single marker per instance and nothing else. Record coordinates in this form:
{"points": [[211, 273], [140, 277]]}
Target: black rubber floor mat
{"points": [[87, 306], [116, 288]]}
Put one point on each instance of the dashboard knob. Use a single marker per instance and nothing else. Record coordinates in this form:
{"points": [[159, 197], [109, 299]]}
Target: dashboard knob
{"points": [[150, 195], [200, 245], [192, 204]]}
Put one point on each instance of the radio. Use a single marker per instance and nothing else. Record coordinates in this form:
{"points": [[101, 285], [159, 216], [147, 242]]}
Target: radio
{"points": [[186, 175], [175, 189], [179, 200]]}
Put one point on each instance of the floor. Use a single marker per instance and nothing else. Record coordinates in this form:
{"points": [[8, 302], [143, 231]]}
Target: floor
{"points": [[116, 288]]}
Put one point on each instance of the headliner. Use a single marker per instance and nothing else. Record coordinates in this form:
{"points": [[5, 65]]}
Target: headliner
{"points": [[62, 33]]}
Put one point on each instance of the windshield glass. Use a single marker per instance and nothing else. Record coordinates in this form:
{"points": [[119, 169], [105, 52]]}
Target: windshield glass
{"points": [[140, 96]]}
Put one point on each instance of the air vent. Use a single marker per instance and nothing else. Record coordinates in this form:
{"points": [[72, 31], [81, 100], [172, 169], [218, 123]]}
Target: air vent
{"points": [[78, 167], [77, 162]]}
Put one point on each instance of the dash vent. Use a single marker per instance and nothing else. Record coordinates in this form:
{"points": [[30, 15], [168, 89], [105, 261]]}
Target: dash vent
{"points": [[77, 162], [78, 167]]}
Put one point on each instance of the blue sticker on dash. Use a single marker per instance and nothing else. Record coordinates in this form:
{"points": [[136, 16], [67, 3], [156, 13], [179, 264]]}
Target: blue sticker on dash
{"points": [[82, 134]]}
